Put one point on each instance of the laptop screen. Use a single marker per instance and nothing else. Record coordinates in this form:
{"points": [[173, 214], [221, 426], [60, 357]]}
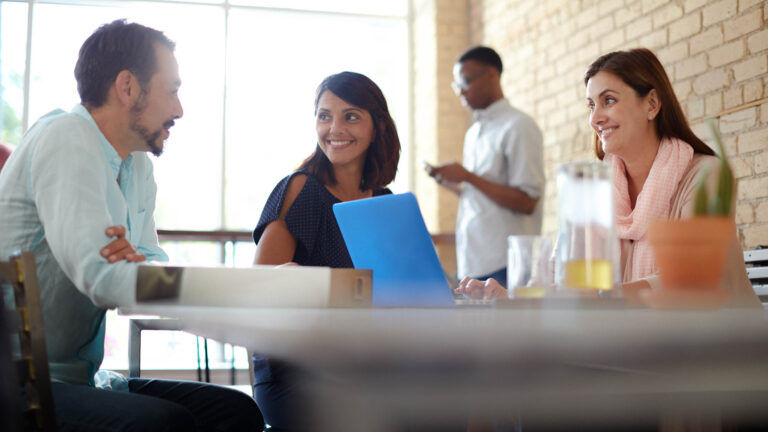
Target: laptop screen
{"points": [[387, 234]]}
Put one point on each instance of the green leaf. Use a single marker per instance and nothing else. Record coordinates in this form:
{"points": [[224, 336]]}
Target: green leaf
{"points": [[700, 200], [721, 202]]}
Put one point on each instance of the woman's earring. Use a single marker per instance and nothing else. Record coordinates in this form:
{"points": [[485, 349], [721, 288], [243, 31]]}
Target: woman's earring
{"points": [[650, 116]]}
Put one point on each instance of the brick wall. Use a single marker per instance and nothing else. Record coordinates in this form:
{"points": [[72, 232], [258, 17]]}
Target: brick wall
{"points": [[439, 35], [715, 53]]}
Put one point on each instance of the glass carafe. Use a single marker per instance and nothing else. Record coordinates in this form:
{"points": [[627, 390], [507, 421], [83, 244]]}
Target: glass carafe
{"points": [[587, 250]]}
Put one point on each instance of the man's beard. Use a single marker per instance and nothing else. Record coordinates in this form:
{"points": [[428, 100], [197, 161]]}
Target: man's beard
{"points": [[149, 137]]}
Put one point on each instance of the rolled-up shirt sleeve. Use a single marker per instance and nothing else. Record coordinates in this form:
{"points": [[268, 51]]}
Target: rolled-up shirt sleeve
{"points": [[523, 151]]}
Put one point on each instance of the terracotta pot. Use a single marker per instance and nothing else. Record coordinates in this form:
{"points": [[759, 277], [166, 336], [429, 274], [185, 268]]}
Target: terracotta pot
{"points": [[691, 257]]}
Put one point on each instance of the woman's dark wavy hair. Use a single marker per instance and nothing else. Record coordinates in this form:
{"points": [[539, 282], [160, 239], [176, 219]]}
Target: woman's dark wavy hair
{"points": [[640, 69], [383, 154], [112, 48]]}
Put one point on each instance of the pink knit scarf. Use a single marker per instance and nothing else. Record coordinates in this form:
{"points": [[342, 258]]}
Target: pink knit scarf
{"points": [[652, 203]]}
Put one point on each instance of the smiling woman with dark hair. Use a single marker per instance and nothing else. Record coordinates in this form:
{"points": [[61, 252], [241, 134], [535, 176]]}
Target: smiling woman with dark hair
{"points": [[355, 157]]}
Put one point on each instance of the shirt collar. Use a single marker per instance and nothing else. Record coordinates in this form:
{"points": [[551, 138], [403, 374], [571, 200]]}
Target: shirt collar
{"points": [[115, 161], [491, 110]]}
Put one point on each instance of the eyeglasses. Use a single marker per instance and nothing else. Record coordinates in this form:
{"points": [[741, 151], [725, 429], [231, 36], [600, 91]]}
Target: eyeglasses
{"points": [[458, 86]]}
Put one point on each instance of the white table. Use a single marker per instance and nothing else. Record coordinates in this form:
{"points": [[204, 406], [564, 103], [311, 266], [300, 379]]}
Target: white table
{"points": [[381, 369]]}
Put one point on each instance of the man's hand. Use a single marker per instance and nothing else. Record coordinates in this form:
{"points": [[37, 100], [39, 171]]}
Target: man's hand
{"points": [[452, 172], [120, 249], [444, 174]]}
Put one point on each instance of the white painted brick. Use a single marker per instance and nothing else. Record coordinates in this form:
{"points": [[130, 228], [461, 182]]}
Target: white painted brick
{"points": [[713, 104], [655, 40], [738, 121], [612, 40], [608, 6], [649, 5], [694, 109], [764, 113], [692, 66], [753, 91], [749, 68], [666, 14], [587, 16], [627, 13], [732, 98], [761, 215], [691, 5], [726, 54], [746, 4], [601, 27], [682, 89], [758, 41], [741, 166], [753, 141], [761, 163], [639, 27], [708, 39], [710, 81], [729, 143], [742, 25], [719, 11], [745, 214], [753, 188], [755, 235], [688, 26], [673, 54]]}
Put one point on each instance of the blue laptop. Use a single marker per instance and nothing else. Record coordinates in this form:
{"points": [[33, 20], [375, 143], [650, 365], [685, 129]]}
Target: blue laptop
{"points": [[387, 234]]}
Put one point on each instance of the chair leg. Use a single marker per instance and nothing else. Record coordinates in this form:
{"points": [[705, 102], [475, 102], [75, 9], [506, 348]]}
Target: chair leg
{"points": [[134, 350]]}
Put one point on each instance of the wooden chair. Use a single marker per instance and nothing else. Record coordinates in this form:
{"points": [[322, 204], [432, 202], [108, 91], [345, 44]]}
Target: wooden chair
{"points": [[34, 380]]}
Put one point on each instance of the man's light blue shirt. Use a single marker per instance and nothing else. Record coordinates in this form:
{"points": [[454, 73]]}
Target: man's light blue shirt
{"points": [[59, 191]]}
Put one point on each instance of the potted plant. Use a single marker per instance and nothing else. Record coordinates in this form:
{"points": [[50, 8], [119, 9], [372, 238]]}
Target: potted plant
{"points": [[691, 253]]}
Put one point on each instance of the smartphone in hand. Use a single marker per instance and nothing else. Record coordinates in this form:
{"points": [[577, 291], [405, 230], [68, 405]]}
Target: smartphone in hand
{"points": [[429, 168]]}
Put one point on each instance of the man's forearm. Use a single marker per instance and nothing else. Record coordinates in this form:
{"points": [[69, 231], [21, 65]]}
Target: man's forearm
{"points": [[505, 196]]}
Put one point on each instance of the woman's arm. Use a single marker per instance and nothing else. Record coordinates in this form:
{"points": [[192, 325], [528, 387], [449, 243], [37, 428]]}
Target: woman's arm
{"points": [[277, 245]]}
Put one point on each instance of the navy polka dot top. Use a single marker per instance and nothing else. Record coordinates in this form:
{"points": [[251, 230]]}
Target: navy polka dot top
{"points": [[311, 222]]}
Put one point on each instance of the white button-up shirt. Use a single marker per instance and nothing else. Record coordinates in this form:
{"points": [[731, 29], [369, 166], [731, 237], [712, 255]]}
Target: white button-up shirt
{"points": [[504, 146]]}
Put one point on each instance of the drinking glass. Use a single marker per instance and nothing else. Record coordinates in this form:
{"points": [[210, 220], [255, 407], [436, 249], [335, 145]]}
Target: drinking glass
{"points": [[528, 270]]}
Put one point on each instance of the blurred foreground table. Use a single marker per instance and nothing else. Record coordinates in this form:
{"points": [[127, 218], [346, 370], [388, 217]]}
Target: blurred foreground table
{"points": [[399, 369]]}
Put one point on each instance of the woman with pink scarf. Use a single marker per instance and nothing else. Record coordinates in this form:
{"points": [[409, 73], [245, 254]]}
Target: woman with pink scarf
{"points": [[656, 162]]}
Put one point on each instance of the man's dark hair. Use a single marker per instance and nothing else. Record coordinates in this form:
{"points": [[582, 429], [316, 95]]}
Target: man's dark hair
{"points": [[113, 48], [384, 152], [482, 54]]}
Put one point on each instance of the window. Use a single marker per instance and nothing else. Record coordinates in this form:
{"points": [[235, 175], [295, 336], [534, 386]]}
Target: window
{"points": [[249, 70]]}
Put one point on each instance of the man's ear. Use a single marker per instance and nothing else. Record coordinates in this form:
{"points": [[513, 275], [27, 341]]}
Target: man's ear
{"points": [[127, 87]]}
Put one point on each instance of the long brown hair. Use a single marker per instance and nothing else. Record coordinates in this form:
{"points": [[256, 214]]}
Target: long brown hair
{"points": [[640, 69], [383, 154]]}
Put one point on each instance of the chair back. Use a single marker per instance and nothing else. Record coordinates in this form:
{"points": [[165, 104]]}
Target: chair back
{"points": [[756, 261], [26, 320]]}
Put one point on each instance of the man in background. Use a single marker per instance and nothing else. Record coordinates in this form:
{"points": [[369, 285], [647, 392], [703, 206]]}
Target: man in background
{"points": [[502, 177], [78, 179]]}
